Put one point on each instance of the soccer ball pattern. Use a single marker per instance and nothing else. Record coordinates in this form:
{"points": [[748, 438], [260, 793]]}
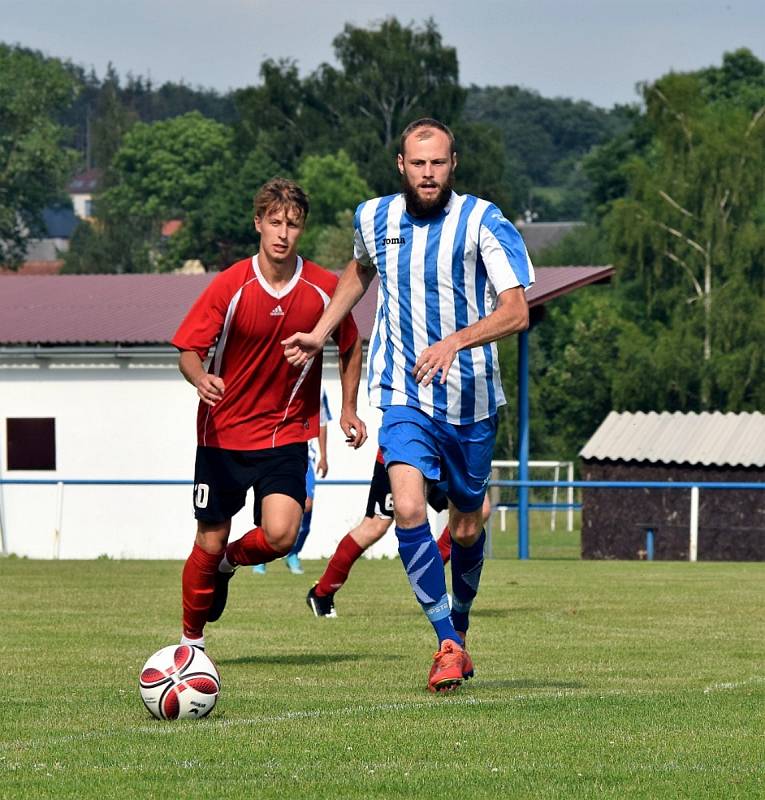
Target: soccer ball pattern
{"points": [[179, 682]]}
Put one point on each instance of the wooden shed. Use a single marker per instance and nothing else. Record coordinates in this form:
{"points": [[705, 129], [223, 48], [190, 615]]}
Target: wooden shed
{"points": [[706, 447]]}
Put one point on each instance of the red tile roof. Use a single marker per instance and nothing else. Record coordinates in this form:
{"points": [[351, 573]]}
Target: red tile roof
{"points": [[35, 268], [85, 182], [146, 309], [171, 226], [95, 309]]}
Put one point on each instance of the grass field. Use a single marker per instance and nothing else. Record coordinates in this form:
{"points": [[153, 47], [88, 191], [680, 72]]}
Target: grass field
{"points": [[594, 680]]}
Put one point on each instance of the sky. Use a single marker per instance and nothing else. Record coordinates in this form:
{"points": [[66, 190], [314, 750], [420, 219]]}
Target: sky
{"points": [[596, 50]]}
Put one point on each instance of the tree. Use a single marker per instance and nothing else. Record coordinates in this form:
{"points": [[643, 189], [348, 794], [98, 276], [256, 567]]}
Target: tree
{"points": [[182, 168], [688, 224], [333, 184], [271, 115], [390, 75], [111, 120], [545, 141], [34, 161], [335, 188], [166, 169]]}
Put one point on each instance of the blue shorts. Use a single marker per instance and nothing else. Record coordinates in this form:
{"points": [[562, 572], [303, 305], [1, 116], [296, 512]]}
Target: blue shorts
{"points": [[310, 479], [459, 455]]}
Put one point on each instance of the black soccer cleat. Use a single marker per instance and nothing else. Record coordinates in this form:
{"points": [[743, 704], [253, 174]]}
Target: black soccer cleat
{"points": [[321, 606], [220, 595]]}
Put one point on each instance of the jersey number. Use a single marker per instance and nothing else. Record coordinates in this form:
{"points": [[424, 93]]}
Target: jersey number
{"points": [[201, 495], [389, 502]]}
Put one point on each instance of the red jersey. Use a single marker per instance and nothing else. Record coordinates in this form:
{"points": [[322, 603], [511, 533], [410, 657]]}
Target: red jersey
{"points": [[266, 401]]}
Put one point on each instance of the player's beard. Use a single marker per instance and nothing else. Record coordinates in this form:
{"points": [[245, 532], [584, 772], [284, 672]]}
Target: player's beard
{"points": [[418, 207]]}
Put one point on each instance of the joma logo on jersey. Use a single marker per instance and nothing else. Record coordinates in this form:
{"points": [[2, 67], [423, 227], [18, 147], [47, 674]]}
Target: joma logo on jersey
{"points": [[393, 240]]}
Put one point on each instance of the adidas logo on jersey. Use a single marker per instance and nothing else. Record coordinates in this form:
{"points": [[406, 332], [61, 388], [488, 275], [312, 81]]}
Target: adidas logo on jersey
{"points": [[277, 312]]}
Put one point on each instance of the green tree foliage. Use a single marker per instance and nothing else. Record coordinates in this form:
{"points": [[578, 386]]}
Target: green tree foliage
{"points": [[271, 115], [220, 230], [34, 161], [389, 74], [333, 184], [182, 168], [334, 187], [690, 221], [544, 140], [679, 208], [333, 247], [481, 165], [110, 120]]}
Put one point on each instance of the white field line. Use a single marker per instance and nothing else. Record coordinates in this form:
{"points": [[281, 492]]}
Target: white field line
{"points": [[726, 687], [160, 728], [435, 703]]}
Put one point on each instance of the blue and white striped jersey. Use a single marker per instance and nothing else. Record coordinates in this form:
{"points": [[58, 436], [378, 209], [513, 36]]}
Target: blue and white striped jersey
{"points": [[437, 275]]}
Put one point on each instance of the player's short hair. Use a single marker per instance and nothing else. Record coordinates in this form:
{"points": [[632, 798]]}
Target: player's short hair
{"points": [[281, 193], [422, 125]]}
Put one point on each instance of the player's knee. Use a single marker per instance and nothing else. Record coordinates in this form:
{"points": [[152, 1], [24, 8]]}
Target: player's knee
{"points": [[466, 529], [371, 530], [212, 537], [280, 537], [410, 511]]}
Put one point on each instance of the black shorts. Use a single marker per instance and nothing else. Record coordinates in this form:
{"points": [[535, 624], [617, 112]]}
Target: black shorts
{"points": [[380, 499], [222, 478]]}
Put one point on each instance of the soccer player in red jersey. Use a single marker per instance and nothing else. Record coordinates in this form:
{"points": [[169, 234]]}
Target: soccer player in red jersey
{"points": [[256, 411]]}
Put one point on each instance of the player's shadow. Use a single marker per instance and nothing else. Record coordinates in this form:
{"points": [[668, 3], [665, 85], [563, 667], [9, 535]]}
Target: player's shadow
{"points": [[302, 659], [526, 683], [499, 613]]}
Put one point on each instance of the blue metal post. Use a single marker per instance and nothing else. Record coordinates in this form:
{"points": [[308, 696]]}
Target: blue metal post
{"points": [[649, 544], [523, 444]]}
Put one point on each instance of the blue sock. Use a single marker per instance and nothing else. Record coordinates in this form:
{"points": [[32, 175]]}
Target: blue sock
{"points": [[305, 529], [467, 563], [425, 570]]}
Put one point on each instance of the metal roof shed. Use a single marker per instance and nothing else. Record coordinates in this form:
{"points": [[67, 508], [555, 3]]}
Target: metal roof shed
{"points": [[710, 446]]}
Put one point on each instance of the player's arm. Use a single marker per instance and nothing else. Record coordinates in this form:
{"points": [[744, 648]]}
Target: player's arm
{"points": [[209, 387], [354, 281], [322, 467], [511, 315], [350, 374]]}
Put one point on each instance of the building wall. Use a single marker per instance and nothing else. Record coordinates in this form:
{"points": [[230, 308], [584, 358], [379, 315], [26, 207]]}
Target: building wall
{"points": [[82, 205], [122, 418], [614, 521]]}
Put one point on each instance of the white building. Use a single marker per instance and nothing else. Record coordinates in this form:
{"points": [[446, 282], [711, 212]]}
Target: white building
{"points": [[89, 391]]}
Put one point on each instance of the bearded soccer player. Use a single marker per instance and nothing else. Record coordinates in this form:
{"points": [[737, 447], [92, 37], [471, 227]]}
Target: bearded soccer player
{"points": [[378, 518], [452, 275], [256, 411]]}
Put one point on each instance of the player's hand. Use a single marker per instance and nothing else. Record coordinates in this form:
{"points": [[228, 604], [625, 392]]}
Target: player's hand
{"points": [[439, 357], [210, 388], [354, 429], [299, 347], [322, 468]]}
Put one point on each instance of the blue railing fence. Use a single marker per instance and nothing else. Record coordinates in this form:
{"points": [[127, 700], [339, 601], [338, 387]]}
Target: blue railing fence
{"points": [[523, 545]]}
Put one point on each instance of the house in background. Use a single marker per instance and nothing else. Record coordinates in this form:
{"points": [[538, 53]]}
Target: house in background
{"points": [[82, 188], [675, 447], [540, 235], [90, 389], [44, 254]]}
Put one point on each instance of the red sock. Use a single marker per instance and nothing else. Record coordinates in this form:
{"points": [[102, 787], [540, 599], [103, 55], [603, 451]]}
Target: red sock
{"points": [[336, 573], [252, 548], [444, 543], [198, 584]]}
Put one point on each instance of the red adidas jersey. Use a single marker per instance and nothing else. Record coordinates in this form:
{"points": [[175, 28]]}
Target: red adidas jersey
{"points": [[266, 401]]}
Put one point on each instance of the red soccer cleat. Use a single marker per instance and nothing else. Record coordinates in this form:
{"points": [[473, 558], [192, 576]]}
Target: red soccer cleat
{"points": [[467, 665], [447, 672]]}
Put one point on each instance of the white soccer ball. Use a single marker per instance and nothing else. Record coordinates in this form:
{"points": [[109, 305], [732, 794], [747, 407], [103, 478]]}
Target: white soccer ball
{"points": [[179, 682]]}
